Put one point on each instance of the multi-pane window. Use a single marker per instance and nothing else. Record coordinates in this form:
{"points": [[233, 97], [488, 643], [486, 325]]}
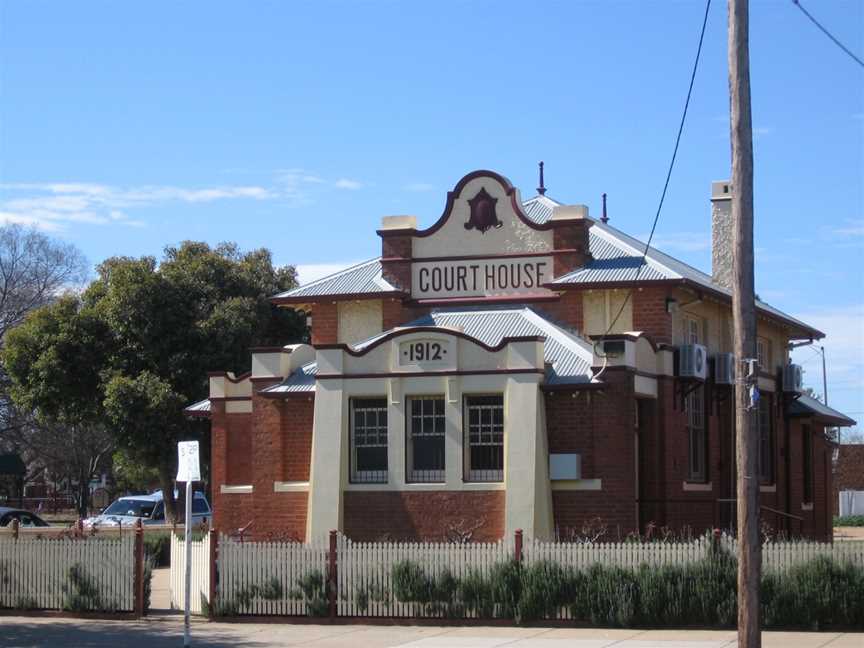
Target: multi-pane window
{"points": [[807, 457], [763, 354], [369, 440], [425, 446], [697, 455], [484, 438], [692, 330], [766, 441]]}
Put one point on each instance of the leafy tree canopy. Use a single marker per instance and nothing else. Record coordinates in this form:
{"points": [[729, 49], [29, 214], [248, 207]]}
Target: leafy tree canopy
{"points": [[136, 346]]}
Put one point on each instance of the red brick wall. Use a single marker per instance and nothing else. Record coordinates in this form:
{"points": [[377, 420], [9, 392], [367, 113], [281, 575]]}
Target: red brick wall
{"points": [[649, 313], [572, 237], [325, 323], [232, 511], [395, 313], [600, 427], [399, 515], [218, 448], [297, 419], [239, 448], [848, 473], [567, 311]]}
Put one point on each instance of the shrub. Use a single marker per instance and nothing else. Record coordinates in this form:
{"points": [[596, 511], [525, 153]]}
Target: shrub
{"points": [[849, 520], [82, 594], [157, 547]]}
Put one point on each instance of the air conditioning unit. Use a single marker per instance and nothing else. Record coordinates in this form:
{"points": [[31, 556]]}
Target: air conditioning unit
{"points": [[793, 379], [692, 361], [724, 369]]}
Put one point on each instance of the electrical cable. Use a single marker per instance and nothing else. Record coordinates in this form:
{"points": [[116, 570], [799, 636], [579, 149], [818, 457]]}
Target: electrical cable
{"points": [[828, 34], [668, 172]]}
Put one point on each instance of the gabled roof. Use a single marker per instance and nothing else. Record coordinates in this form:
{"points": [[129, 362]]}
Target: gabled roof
{"points": [[361, 279], [568, 357], [616, 260], [806, 405]]}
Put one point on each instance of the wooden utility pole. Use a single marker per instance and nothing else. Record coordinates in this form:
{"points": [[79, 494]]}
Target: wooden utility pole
{"points": [[744, 318]]}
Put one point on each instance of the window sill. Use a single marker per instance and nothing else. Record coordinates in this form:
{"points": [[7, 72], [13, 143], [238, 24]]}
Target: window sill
{"points": [[698, 487], [807, 506], [224, 489], [768, 488], [290, 487], [577, 484]]}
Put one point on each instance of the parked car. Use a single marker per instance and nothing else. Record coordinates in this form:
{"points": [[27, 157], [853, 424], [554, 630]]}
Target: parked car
{"points": [[25, 518], [150, 509]]}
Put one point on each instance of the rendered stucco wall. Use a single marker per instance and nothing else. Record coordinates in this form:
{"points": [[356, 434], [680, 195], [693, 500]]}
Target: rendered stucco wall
{"points": [[359, 320]]}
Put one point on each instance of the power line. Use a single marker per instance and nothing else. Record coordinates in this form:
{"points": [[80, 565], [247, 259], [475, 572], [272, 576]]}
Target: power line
{"points": [[669, 172], [828, 34]]}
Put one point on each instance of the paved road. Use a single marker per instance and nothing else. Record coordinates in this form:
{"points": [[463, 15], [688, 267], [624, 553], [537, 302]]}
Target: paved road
{"points": [[167, 631]]}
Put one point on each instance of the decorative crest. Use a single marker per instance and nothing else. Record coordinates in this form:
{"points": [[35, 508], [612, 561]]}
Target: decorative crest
{"points": [[483, 214]]}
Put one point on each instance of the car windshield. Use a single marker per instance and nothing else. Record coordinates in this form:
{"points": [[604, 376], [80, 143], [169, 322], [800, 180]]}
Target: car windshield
{"points": [[133, 507]]}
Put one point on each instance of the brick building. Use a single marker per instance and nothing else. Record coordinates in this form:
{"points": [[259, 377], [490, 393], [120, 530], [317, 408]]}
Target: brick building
{"points": [[848, 471], [517, 365]]}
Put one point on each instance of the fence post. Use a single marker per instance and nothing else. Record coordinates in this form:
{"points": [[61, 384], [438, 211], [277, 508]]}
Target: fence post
{"points": [[332, 575], [517, 548], [139, 570], [15, 524], [214, 573], [715, 543]]}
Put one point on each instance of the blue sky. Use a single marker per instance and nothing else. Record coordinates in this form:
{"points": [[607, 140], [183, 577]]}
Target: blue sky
{"points": [[126, 127]]}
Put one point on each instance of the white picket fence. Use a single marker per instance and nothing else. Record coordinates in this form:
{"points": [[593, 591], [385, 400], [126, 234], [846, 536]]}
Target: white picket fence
{"points": [[365, 572], [629, 555], [200, 589], [266, 577], [35, 571]]}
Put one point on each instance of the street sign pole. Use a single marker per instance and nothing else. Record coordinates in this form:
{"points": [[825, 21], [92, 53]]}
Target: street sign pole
{"points": [[188, 471], [188, 535]]}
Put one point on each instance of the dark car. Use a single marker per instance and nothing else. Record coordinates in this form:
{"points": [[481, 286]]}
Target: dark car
{"points": [[25, 518]]}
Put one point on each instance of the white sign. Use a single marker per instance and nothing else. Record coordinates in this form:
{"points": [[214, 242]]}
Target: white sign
{"points": [[480, 277], [188, 467]]}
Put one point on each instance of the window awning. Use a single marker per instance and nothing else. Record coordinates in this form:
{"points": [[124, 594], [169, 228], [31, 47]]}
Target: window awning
{"points": [[806, 405]]}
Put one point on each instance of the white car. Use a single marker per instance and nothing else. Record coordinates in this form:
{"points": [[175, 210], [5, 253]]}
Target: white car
{"points": [[150, 509]]}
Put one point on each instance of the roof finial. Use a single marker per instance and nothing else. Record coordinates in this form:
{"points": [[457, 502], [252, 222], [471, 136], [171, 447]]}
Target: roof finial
{"points": [[604, 218], [542, 188]]}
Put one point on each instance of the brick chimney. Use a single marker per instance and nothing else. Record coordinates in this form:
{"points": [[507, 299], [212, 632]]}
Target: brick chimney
{"points": [[570, 237], [721, 232], [396, 250]]}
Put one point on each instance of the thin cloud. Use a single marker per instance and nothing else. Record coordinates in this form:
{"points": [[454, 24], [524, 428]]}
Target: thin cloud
{"points": [[346, 183], [53, 206]]}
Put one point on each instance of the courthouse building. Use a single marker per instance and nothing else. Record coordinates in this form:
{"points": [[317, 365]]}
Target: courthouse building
{"points": [[515, 365]]}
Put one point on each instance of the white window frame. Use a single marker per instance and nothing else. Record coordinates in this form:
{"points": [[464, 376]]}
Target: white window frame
{"points": [[372, 438], [494, 437], [691, 329], [423, 476], [697, 437], [763, 354]]}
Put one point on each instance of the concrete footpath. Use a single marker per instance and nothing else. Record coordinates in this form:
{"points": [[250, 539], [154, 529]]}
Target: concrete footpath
{"points": [[165, 631]]}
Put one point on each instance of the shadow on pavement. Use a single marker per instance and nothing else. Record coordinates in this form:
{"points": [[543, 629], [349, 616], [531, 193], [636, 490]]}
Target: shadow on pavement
{"points": [[45, 633]]}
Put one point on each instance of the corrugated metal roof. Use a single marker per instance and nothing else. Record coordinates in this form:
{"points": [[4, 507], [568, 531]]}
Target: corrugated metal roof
{"points": [[201, 408], [302, 380], [617, 257], [569, 356], [359, 279], [806, 405]]}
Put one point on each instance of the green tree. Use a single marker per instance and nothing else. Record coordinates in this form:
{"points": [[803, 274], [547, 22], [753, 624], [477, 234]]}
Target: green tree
{"points": [[136, 346]]}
